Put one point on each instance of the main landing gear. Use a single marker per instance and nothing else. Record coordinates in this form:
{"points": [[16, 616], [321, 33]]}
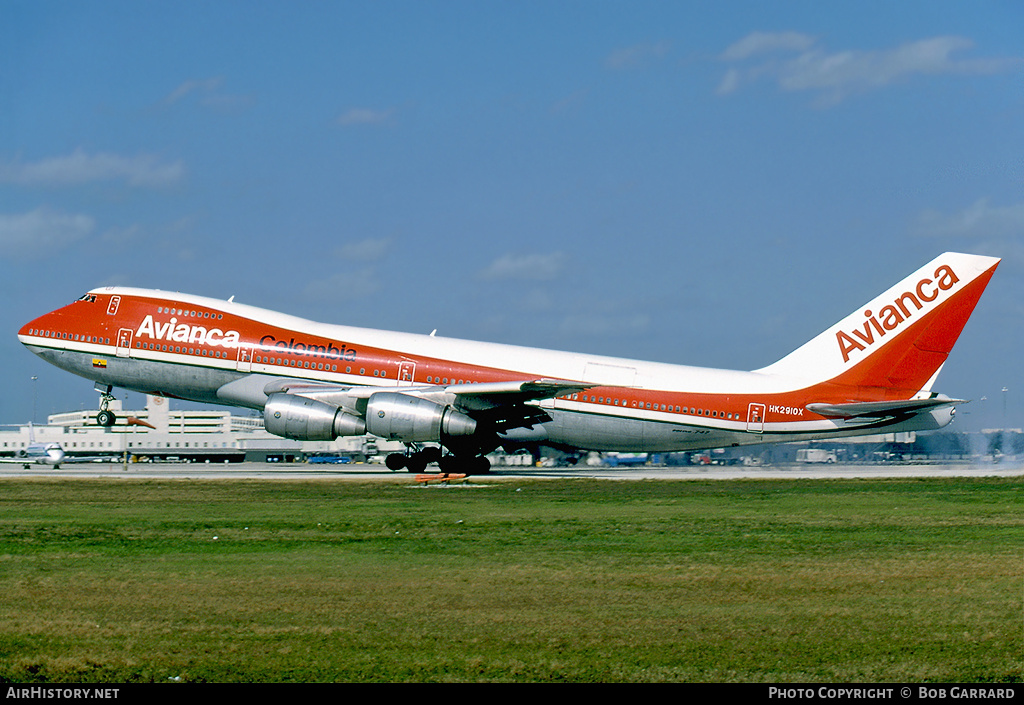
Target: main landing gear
{"points": [[413, 462], [417, 461]]}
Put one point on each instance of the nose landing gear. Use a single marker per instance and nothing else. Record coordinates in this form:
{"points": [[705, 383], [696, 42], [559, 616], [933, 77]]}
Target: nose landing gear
{"points": [[105, 418]]}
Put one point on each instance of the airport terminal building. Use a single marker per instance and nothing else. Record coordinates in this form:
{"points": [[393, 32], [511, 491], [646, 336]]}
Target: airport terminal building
{"points": [[159, 433]]}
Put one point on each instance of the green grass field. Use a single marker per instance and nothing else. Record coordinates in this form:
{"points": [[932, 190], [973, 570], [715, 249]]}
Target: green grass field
{"points": [[530, 580]]}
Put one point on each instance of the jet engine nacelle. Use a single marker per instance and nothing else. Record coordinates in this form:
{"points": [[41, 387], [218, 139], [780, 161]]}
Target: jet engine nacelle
{"points": [[305, 419], [401, 417]]}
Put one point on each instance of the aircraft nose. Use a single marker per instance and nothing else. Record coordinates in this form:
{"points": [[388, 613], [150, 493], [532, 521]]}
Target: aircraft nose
{"points": [[32, 329], [48, 325]]}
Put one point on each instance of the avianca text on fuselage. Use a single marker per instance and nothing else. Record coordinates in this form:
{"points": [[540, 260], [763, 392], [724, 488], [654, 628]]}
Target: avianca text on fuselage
{"points": [[175, 332], [897, 313]]}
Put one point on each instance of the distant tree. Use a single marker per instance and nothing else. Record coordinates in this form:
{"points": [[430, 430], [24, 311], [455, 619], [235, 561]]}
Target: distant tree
{"points": [[948, 444], [1017, 443], [995, 443]]}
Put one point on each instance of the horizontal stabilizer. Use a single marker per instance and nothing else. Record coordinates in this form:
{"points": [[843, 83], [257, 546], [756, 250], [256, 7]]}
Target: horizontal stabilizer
{"points": [[880, 409]]}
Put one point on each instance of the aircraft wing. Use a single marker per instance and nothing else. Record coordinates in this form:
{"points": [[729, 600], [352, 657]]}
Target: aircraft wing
{"points": [[501, 405], [469, 396], [881, 409]]}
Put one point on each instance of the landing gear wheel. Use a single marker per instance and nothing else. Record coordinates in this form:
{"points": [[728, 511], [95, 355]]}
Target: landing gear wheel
{"points": [[416, 463], [413, 462], [479, 465], [105, 418], [474, 465], [430, 455]]}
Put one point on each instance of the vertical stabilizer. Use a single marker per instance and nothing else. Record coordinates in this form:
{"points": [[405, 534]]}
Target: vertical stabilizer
{"points": [[900, 339]]}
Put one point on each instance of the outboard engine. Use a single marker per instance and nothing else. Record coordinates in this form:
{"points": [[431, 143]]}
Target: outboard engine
{"points": [[400, 417], [303, 419]]}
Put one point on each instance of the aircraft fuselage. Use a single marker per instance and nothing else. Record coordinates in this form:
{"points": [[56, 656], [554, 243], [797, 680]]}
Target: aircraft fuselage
{"points": [[207, 350]]}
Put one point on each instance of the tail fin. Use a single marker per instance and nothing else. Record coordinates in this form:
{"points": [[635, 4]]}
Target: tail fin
{"points": [[901, 339]]}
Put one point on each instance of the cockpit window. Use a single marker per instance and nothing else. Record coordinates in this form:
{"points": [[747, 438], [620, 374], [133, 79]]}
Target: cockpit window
{"points": [[90, 298]]}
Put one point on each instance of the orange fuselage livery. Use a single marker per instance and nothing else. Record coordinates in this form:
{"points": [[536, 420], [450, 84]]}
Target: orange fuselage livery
{"points": [[452, 401]]}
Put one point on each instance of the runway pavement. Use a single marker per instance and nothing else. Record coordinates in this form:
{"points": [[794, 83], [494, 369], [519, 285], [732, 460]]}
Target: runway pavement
{"points": [[372, 472]]}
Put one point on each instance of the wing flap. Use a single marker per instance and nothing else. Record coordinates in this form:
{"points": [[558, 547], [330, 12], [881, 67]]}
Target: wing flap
{"points": [[492, 394]]}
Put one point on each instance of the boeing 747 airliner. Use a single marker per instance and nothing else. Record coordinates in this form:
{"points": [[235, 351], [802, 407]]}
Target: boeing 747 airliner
{"points": [[453, 401]]}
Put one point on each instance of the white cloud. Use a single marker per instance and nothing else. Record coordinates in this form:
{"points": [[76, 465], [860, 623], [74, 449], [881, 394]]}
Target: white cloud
{"points": [[204, 86], [603, 324], [836, 75], [535, 267], [570, 102], [122, 236], [364, 116], [637, 55], [368, 250], [80, 167], [730, 82], [762, 42], [209, 93], [344, 286], [41, 233], [979, 220]]}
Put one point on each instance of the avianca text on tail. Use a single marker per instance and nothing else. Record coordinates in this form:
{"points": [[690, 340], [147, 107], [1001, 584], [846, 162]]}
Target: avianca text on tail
{"points": [[453, 401], [897, 313]]}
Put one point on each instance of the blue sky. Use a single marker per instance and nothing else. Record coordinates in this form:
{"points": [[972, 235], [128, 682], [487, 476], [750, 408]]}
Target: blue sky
{"points": [[703, 183]]}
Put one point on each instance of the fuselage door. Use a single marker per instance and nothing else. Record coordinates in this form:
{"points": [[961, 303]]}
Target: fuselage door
{"points": [[406, 373], [124, 342], [244, 358], [755, 418]]}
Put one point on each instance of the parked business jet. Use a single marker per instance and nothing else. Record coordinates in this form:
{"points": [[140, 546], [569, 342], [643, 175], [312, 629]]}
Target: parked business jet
{"points": [[452, 401], [51, 454], [36, 453]]}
